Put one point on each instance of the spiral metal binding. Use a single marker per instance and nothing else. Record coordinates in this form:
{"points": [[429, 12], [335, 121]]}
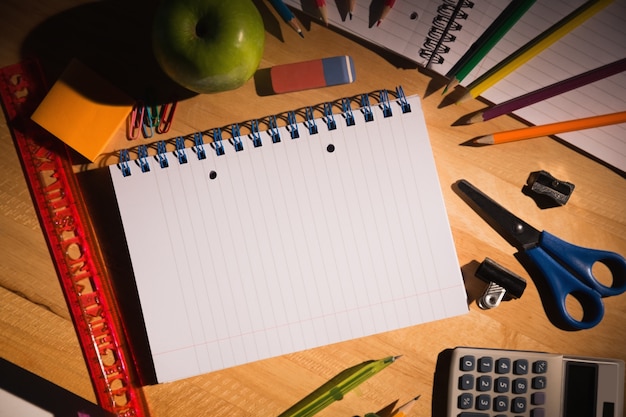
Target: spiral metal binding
{"points": [[217, 141], [180, 152], [446, 21], [385, 102]]}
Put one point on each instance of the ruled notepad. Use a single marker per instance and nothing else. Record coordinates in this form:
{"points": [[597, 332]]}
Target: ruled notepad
{"points": [[413, 29], [320, 237]]}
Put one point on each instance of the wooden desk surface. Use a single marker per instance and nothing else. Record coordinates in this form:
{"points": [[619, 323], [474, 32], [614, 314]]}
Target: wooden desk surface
{"points": [[36, 328]]}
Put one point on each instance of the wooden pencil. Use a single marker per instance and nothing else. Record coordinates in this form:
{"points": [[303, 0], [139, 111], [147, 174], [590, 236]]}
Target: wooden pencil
{"points": [[552, 128], [549, 91], [532, 48], [490, 37]]}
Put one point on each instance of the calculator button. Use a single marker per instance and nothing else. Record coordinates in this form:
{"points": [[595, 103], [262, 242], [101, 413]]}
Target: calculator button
{"points": [[465, 401], [485, 364], [520, 386], [518, 405], [538, 398], [484, 383], [540, 367], [520, 367], [538, 412], [539, 382], [471, 414], [501, 403], [483, 402], [502, 384], [466, 382], [503, 366], [467, 363]]}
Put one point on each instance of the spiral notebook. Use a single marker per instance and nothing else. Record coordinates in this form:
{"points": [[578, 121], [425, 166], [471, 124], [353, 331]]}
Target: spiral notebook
{"points": [[329, 228], [437, 33]]}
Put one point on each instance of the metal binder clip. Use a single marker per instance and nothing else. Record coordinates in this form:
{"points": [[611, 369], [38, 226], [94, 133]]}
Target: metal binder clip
{"points": [[502, 282]]}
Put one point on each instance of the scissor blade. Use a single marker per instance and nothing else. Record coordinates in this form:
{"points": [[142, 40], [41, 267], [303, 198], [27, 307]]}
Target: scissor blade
{"points": [[516, 231]]}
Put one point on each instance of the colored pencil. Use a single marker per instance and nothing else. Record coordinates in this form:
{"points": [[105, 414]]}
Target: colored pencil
{"points": [[490, 37], [550, 91], [404, 409], [351, 6], [386, 9], [552, 128], [532, 48], [287, 16], [451, 21], [321, 6]]}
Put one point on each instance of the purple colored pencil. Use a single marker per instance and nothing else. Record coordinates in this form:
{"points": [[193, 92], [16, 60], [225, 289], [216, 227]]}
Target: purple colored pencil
{"points": [[552, 90]]}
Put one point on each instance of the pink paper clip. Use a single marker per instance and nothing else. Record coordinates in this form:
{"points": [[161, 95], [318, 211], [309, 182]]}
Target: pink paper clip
{"points": [[134, 121], [166, 115]]}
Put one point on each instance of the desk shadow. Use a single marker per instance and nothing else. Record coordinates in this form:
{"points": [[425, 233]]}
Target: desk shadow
{"points": [[113, 38], [440, 384]]}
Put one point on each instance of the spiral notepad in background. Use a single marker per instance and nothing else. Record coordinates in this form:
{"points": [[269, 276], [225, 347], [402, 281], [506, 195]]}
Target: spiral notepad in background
{"points": [[413, 26], [324, 231]]}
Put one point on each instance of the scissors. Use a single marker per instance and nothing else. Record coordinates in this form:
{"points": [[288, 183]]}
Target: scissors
{"points": [[567, 268]]}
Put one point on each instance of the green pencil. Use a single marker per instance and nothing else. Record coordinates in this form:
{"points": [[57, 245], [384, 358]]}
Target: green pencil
{"points": [[481, 47]]}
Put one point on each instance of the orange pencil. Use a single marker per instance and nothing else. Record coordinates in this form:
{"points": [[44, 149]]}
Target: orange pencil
{"points": [[552, 128]]}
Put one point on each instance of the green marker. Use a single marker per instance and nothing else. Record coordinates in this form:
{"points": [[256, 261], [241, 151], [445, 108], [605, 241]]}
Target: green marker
{"points": [[487, 41], [337, 387]]}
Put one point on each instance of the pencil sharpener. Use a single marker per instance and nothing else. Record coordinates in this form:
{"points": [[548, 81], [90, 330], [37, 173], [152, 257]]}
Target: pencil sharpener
{"points": [[546, 190], [502, 284]]}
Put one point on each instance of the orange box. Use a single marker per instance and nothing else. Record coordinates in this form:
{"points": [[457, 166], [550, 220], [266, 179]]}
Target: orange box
{"points": [[83, 110]]}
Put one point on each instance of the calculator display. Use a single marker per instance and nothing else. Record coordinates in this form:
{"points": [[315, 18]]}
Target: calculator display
{"points": [[581, 381]]}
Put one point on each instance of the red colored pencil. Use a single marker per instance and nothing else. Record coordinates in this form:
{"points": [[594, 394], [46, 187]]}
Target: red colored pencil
{"points": [[386, 9], [321, 6]]}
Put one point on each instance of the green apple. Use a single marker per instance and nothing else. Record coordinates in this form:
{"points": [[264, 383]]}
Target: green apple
{"points": [[208, 46]]}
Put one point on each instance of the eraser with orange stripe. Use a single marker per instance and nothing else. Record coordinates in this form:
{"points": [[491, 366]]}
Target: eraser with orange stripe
{"points": [[312, 74]]}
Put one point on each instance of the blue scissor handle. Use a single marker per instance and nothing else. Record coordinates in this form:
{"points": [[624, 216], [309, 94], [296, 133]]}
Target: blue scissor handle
{"points": [[578, 281], [581, 260]]}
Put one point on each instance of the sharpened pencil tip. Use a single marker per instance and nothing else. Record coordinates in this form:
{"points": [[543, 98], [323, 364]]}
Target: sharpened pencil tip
{"points": [[477, 118], [484, 140], [301, 34]]}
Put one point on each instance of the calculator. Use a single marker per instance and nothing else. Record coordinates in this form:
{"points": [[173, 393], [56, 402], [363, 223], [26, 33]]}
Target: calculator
{"points": [[509, 383]]}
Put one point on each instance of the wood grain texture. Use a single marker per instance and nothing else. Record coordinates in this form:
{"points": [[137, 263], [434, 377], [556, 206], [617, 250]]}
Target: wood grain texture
{"points": [[36, 329]]}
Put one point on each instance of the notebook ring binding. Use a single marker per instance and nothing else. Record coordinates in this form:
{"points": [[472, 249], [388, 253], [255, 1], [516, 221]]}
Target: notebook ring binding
{"points": [[434, 46], [292, 126]]}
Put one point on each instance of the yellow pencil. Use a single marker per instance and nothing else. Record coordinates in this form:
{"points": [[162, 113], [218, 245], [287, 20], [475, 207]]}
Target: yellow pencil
{"points": [[552, 128], [532, 48]]}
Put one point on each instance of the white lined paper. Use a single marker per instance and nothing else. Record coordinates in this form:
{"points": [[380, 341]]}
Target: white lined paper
{"points": [[291, 246]]}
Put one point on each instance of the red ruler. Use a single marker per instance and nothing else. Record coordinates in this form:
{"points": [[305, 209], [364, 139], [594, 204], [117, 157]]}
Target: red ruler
{"points": [[74, 250]]}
